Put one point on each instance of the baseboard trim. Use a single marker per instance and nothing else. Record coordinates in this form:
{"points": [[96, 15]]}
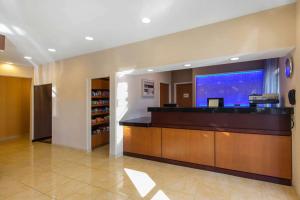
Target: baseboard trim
{"points": [[40, 139], [271, 179], [9, 138]]}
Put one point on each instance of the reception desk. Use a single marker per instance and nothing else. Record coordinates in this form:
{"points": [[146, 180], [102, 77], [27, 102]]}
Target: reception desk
{"points": [[248, 142]]}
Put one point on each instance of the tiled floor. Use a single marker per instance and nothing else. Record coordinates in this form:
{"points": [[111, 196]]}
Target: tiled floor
{"points": [[44, 171]]}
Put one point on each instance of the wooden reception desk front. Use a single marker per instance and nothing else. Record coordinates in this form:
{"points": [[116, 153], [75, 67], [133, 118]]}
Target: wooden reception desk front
{"points": [[248, 142]]}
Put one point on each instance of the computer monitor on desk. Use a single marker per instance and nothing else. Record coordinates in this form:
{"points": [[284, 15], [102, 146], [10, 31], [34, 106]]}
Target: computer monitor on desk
{"points": [[215, 102]]}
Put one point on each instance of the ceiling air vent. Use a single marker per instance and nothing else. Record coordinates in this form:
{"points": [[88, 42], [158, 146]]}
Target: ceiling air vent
{"points": [[2, 43]]}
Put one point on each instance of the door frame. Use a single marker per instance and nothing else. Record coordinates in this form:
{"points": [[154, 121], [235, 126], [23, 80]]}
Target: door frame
{"points": [[175, 92], [31, 130], [32, 110], [170, 98], [89, 113]]}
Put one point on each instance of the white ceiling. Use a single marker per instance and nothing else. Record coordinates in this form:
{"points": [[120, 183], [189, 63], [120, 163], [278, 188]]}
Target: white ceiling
{"points": [[33, 26]]}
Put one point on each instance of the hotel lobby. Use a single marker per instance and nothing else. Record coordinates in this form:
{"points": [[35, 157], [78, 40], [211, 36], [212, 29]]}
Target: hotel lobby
{"points": [[159, 100]]}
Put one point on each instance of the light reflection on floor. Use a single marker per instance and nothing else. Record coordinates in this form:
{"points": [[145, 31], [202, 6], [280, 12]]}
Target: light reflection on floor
{"points": [[144, 184], [142, 181], [160, 195]]}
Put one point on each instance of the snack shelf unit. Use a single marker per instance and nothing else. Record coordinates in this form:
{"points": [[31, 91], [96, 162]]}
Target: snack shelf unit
{"points": [[100, 112]]}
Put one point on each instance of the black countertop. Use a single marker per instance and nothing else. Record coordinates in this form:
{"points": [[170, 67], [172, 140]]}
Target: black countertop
{"points": [[275, 111], [270, 121], [141, 122]]}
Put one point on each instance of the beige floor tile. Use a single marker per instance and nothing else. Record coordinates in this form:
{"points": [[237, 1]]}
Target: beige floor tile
{"points": [[11, 188], [95, 193], [29, 194], [66, 189], [276, 192], [49, 183], [44, 171], [187, 185]]}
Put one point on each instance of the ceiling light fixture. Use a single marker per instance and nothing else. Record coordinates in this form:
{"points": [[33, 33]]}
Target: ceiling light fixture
{"points": [[9, 63], [27, 57], [89, 38], [234, 58], [146, 20], [188, 65], [150, 70], [52, 50]]}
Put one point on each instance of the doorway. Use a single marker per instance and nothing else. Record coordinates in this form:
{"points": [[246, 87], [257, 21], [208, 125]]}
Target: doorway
{"points": [[164, 94], [184, 93], [100, 113], [43, 113]]}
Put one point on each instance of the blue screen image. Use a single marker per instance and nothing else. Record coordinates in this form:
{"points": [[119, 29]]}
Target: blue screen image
{"points": [[234, 87]]}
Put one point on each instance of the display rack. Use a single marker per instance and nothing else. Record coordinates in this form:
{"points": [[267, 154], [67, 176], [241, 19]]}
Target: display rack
{"points": [[100, 112]]}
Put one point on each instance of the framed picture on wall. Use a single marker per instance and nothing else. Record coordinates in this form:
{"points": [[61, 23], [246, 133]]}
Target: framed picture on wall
{"points": [[147, 88]]}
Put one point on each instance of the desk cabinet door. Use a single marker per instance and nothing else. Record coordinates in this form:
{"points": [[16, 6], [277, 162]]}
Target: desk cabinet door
{"points": [[192, 146], [141, 140], [259, 154]]}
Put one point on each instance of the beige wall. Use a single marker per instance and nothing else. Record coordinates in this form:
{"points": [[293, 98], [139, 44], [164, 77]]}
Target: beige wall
{"points": [[14, 107], [296, 134], [137, 104], [260, 32], [24, 104], [286, 84], [16, 71]]}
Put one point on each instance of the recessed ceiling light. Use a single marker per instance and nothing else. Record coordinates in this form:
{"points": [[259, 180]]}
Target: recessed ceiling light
{"points": [[9, 63], [27, 57], [89, 38], [150, 70], [146, 20], [188, 65], [52, 50], [234, 58]]}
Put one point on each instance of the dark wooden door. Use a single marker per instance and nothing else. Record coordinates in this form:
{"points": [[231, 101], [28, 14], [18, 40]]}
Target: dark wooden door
{"points": [[42, 111], [164, 94], [2, 42], [184, 93]]}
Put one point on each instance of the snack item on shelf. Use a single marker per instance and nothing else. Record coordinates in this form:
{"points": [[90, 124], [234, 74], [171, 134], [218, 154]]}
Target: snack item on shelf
{"points": [[100, 119], [100, 102], [100, 110], [101, 130], [99, 93]]}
